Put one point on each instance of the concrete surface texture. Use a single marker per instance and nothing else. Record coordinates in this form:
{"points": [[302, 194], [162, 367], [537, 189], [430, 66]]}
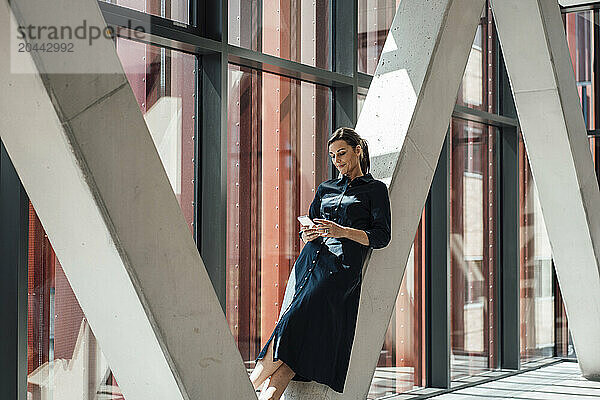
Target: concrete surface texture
{"points": [[555, 135], [405, 117], [83, 152], [87, 161]]}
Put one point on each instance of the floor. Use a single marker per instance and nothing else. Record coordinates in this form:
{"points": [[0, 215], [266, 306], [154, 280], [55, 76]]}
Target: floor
{"points": [[560, 380]]}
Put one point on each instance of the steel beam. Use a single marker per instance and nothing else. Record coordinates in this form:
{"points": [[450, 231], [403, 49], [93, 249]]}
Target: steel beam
{"points": [[543, 86], [437, 277]]}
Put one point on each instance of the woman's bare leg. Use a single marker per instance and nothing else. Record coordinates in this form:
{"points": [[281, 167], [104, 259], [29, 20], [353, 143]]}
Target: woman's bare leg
{"points": [[264, 368], [277, 384]]}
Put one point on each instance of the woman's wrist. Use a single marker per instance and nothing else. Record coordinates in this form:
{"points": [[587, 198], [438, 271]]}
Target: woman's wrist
{"points": [[345, 232], [357, 235]]}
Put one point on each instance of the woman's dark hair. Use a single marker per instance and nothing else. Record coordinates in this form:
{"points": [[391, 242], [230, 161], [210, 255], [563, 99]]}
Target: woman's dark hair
{"points": [[353, 139]]}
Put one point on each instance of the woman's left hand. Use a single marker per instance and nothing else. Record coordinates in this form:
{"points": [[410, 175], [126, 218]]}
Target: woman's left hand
{"points": [[330, 228]]}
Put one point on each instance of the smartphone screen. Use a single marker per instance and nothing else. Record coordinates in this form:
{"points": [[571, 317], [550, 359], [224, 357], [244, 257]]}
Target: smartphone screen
{"points": [[305, 220]]}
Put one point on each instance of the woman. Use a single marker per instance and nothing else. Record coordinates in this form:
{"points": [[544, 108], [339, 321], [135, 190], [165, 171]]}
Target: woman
{"points": [[313, 337]]}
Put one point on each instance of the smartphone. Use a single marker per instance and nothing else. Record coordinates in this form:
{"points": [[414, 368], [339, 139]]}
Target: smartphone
{"points": [[306, 221]]}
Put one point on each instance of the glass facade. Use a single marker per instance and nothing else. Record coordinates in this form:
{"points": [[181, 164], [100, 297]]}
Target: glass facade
{"points": [[360, 102], [536, 270], [293, 30], [163, 82], [401, 363], [64, 360], [579, 27], [478, 87], [472, 246], [176, 10], [374, 20], [277, 156]]}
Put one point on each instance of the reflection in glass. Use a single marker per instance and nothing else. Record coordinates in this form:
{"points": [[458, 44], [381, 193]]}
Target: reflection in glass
{"points": [[478, 87], [581, 32], [177, 10], [472, 247], [374, 21], [163, 82], [293, 30], [360, 102], [537, 292], [401, 365], [64, 360], [579, 27], [276, 157]]}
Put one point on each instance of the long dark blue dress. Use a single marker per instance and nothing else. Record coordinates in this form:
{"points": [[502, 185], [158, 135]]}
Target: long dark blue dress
{"points": [[314, 335]]}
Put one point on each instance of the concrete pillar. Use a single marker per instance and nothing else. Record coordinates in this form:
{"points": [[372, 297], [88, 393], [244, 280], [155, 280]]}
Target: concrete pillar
{"points": [[87, 161], [405, 118], [539, 67]]}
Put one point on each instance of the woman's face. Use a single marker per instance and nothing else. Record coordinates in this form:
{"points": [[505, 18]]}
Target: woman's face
{"points": [[345, 158]]}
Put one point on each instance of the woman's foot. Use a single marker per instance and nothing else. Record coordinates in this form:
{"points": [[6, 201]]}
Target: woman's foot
{"points": [[276, 384], [260, 387]]}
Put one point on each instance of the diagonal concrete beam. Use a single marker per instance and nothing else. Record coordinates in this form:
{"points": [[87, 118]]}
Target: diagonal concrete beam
{"points": [[543, 86], [87, 161], [405, 119]]}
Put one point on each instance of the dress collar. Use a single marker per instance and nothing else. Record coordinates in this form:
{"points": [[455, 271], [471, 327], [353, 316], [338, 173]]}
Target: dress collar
{"points": [[363, 178]]}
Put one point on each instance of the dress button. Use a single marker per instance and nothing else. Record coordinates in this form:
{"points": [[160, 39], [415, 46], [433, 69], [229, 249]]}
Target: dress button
{"points": [[310, 269], [314, 261], [306, 278], [318, 251]]}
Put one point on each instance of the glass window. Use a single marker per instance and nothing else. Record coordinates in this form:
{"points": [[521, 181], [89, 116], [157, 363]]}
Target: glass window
{"points": [[177, 10], [374, 21], [472, 247], [64, 360], [537, 283], [276, 157], [294, 30], [579, 28], [401, 365], [478, 87], [360, 102], [581, 31], [562, 334], [163, 82]]}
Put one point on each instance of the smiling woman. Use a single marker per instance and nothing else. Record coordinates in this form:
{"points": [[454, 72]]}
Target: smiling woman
{"points": [[277, 156], [313, 336]]}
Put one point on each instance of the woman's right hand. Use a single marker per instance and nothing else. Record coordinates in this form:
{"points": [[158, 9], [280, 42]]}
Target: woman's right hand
{"points": [[309, 234]]}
